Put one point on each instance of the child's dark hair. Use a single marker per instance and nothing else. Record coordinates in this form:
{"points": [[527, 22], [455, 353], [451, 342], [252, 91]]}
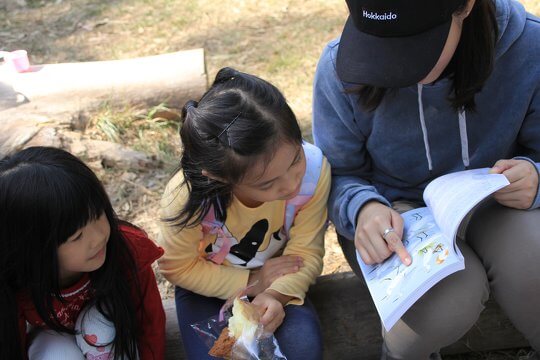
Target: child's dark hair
{"points": [[470, 66], [238, 122], [46, 195]]}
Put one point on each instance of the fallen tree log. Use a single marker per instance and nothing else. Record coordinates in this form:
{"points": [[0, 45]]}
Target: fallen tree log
{"points": [[64, 94], [351, 327], [174, 77]]}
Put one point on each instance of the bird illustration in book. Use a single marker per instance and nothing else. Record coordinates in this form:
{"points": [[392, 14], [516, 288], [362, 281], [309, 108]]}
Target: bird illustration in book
{"points": [[428, 255], [432, 249]]}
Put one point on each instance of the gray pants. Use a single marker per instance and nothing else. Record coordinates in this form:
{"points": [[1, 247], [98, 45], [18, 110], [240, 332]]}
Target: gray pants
{"points": [[501, 247]]}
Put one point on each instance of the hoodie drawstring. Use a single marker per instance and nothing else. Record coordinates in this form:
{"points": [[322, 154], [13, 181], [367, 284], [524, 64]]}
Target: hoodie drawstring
{"points": [[462, 132], [424, 129], [463, 137]]}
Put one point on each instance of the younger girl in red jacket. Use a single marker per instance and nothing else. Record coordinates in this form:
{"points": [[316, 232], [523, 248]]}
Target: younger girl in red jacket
{"points": [[74, 282]]}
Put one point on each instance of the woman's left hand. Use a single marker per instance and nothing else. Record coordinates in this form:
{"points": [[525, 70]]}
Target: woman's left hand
{"points": [[523, 177]]}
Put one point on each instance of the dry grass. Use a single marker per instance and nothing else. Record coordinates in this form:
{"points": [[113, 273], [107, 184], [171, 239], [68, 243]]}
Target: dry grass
{"points": [[278, 40]]}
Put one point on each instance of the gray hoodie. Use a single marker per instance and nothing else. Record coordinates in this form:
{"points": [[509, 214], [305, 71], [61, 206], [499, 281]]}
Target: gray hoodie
{"points": [[415, 135]]}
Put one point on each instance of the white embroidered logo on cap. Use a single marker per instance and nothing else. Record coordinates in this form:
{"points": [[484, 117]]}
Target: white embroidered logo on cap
{"points": [[376, 16]]}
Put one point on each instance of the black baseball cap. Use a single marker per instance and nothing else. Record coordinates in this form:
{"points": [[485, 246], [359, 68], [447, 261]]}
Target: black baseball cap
{"points": [[393, 43]]}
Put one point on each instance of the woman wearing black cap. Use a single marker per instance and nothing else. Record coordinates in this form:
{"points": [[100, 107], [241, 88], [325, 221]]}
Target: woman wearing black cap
{"points": [[415, 89]]}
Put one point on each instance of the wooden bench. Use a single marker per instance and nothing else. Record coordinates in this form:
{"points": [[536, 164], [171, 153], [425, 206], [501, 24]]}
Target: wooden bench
{"points": [[351, 327]]}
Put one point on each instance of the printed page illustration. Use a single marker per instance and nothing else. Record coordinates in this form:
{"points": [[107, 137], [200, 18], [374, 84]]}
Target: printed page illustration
{"points": [[429, 235], [394, 286]]}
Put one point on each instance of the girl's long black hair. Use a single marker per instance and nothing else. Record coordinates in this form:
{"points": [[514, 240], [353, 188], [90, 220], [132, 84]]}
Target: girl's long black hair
{"points": [[46, 195], [470, 66], [239, 121]]}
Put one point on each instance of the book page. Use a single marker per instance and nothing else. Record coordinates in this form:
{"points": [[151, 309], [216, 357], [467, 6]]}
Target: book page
{"points": [[394, 287], [451, 197]]}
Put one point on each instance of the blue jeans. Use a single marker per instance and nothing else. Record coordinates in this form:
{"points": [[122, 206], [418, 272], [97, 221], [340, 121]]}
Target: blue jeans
{"points": [[299, 336]]}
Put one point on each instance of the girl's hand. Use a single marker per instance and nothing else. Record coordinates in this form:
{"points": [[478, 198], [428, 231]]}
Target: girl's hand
{"points": [[272, 313], [523, 177], [373, 220], [271, 270]]}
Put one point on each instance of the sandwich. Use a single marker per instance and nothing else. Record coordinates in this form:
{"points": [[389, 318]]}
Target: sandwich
{"points": [[243, 324]]}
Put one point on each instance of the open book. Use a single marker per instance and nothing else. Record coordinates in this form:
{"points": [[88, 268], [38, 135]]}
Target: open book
{"points": [[429, 235]]}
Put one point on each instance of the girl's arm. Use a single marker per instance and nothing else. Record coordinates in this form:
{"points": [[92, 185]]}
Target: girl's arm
{"points": [[151, 341], [307, 241], [150, 313], [182, 264]]}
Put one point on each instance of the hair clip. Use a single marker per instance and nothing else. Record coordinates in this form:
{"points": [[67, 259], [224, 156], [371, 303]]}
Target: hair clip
{"points": [[191, 104], [226, 129]]}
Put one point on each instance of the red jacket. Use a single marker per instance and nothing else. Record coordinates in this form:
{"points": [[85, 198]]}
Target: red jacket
{"points": [[151, 342]]}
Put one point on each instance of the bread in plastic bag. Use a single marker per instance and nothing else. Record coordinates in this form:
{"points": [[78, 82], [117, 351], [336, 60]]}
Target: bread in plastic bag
{"points": [[236, 333]]}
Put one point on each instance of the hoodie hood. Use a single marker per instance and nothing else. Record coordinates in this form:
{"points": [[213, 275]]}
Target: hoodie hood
{"points": [[511, 17]]}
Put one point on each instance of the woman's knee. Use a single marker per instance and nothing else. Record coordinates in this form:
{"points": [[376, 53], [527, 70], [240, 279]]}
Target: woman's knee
{"points": [[496, 230], [458, 298], [442, 315], [506, 240]]}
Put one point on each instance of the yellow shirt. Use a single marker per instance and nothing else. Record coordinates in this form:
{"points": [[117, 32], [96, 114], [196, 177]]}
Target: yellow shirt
{"points": [[185, 263]]}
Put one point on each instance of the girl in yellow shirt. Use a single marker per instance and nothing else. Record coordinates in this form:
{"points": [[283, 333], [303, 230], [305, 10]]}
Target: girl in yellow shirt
{"points": [[247, 207]]}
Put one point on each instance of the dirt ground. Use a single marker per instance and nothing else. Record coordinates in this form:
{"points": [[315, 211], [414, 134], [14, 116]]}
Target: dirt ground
{"points": [[258, 37]]}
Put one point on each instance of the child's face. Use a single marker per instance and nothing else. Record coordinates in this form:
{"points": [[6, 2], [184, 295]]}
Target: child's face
{"points": [[278, 180], [85, 250]]}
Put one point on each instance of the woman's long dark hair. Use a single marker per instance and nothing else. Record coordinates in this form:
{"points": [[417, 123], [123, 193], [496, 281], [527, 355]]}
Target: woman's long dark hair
{"points": [[239, 121], [46, 195], [470, 66]]}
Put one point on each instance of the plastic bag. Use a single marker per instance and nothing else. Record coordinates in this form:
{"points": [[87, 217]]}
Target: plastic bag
{"points": [[257, 346]]}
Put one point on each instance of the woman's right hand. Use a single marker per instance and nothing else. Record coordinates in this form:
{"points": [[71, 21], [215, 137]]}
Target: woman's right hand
{"points": [[262, 278], [373, 220]]}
